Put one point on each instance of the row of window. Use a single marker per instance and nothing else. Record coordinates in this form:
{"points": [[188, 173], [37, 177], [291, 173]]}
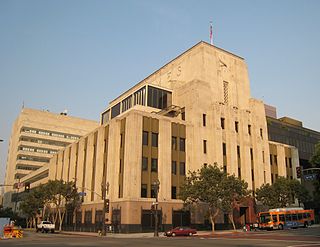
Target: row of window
{"points": [[154, 166], [236, 125], [154, 139], [182, 143], [37, 150], [43, 141], [144, 191], [49, 133], [27, 167], [32, 158]]}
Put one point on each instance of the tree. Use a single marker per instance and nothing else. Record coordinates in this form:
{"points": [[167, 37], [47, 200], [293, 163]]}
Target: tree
{"points": [[215, 188], [315, 159], [282, 193]]}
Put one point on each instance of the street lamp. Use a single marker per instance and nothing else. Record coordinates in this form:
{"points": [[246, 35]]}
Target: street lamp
{"points": [[104, 191], [156, 187]]}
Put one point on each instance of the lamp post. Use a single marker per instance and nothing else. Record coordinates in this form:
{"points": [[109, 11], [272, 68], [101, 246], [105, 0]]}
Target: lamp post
{"points": [[104, 192], [156, 187]]}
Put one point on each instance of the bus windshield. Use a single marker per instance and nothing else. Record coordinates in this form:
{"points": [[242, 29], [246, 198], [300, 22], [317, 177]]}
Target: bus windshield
{"points": [[265, 218]]}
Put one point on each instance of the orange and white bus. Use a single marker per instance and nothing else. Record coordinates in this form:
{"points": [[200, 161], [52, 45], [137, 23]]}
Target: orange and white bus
{"points": [[280, 218]]}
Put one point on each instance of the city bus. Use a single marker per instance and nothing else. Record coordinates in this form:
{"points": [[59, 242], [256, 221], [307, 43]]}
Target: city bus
{"points": [[279, 218]]}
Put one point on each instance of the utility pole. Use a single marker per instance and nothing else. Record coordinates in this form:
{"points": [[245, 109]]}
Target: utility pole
{"points": [[104, 192], [156, 187]]}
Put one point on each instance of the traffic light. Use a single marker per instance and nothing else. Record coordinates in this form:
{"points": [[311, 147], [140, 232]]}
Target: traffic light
{"points": [[298, 169], [107, 205], [27, 187]]}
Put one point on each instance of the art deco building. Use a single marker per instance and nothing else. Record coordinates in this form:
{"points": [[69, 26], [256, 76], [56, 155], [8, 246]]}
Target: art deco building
{"points": [[195, 110], [36, 136]]}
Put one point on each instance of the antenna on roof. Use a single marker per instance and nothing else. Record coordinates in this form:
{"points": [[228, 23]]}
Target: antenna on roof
{"points": [[211, 34]]}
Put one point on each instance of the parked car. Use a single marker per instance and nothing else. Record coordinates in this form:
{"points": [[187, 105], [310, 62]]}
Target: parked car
{"points": [[45, 226], [181, 231]]}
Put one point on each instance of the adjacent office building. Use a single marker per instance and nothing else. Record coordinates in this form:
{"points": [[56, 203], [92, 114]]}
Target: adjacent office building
{"points": [[194, 111], [36, 136]]}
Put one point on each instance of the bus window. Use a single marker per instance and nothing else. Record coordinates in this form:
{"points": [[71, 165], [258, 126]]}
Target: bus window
{"points": [[308, 215], [274, 218], [294, 217], [288, 217], [300, 216], [265, 218], [305, 215], [281, 217]]}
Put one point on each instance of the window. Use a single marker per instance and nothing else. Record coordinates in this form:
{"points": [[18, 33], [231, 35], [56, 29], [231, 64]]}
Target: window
{"points": [[270, 159], [174, 143], [261, 133], [126, 103], [145, 138], [139, 97], [251, 153], [286, 162], [182, 168], [281, 217], [154, 165], [144, 164], [173, 192], [182, 144], [204, 119], [288, 217], [236, 126], [290, 162], [276, 159], [154, 140], [224, 149], [222, 123], [204, 146], [225, 168], [226, 92], [239, 172], [174, 167], [158, 98], [238, 151], [183, 114], [144, 190], [115, 111], [249, 129], [252, 174]]}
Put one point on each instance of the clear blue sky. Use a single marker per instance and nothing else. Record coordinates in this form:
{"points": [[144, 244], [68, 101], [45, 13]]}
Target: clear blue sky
{"points": [[79, 55]]}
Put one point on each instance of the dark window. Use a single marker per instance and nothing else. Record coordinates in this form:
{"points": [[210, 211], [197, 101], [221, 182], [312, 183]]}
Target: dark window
{"points": [[173, 192], [154, 165], [281, 217], [204, 119], [120, 166], [183, 114], [251, 153], [238, 151], [174, 143], [261, 133], [182, 144], [144, 164], [288, 217], [88, 217], [276, 159], [204, 146], [115, 111], [144, 190], [300, 216], [239, 172], [236, 126], [182, 168], [224, 149], [290, 162], [225, 169], [158, 98], [121, 140], [249, 129], [286, 162], [272, 178], [294, 217], [270, 159], [145, 138], [154, 139], [252, 174], [174, 167], [222, 123]]}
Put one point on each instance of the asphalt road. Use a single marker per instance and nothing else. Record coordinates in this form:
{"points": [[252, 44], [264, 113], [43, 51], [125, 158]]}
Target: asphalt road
{"points": [[293, 238]]}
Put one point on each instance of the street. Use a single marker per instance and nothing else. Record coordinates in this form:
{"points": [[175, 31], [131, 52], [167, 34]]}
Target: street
{"points": [[293, 238]]}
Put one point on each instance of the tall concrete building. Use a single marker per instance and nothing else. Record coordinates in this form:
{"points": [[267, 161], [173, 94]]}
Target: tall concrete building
{"points": [[36, 136], [194, 111]]}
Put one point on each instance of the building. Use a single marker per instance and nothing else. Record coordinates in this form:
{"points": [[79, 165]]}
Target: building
{"points": [[193, 111], [291, 131], [36, 136]]}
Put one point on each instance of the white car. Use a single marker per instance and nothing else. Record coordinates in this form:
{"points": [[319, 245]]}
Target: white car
{"points": [[45, 226]]}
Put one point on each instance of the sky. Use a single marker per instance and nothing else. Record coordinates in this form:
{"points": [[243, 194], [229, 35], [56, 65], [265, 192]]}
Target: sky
{"points": [[79, 55]]}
